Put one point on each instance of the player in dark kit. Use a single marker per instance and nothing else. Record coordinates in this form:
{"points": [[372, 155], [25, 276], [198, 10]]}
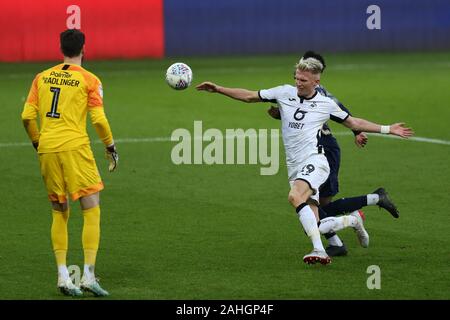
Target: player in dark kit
{"points": [[330, 188]]}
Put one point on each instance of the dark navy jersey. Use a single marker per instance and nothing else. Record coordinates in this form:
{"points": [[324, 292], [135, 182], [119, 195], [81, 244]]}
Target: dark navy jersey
{"points": [[327, 140], [321, 89], [332, 151]]}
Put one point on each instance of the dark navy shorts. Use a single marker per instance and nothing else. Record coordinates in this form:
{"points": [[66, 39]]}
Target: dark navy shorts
{"points": [[331, 186]]}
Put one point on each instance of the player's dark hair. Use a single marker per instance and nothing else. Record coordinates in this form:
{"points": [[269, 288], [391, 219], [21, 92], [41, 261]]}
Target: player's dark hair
{"points": [[72, 42], [315, 55]]}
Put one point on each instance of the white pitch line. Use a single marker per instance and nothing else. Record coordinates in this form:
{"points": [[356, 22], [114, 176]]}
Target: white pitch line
{"points": [[135, 140], [166, 139], [14, 144], [418, 139]]}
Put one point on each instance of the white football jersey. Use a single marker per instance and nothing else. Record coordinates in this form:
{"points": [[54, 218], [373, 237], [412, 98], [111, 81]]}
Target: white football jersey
{"points": [[302, 120]]}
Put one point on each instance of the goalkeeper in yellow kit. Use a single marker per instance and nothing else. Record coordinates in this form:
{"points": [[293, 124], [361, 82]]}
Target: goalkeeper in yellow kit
{"points": [[62, 97]]}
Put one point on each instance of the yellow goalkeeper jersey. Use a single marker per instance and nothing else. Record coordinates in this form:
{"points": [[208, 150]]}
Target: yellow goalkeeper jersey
{"points": [[62, 96]]}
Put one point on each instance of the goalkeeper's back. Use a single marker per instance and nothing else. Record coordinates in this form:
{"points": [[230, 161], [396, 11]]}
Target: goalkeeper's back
{"points": [[62, 96]]}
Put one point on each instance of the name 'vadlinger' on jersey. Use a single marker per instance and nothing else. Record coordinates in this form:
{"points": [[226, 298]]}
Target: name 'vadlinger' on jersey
{"points": [[61, 79]]}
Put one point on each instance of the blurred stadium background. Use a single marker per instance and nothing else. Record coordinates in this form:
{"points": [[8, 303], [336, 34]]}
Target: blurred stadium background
{"points": [[157, 28], [225, 232]]}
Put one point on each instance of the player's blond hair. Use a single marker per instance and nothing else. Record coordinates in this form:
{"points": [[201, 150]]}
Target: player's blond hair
{"points": [[310, 64]]}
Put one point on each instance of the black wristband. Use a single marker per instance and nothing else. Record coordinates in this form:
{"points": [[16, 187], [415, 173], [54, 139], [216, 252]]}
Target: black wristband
{"points": [[111, 148]]}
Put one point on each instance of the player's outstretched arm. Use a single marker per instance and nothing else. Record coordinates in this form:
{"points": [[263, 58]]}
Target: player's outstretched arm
{"points": [[235, 93], [400, 130], [360, 137], [397, 129]]}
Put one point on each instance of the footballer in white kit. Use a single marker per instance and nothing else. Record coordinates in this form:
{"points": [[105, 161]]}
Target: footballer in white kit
{"points": [[303, 112], [302, 120]]}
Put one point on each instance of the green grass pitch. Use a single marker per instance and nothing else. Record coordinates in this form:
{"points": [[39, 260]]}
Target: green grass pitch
{"points": [[225, 231]]}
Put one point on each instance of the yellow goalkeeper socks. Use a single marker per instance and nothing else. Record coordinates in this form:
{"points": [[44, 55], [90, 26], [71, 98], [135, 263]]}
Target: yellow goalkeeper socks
{"points": [[59, 235], [91, 234]]}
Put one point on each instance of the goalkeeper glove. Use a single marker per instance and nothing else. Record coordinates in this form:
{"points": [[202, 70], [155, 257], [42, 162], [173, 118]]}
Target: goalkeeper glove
{"points": [[112, 156]]}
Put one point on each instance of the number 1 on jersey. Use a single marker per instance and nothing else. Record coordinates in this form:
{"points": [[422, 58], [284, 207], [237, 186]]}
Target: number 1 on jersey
{"points": [[53, 113]]}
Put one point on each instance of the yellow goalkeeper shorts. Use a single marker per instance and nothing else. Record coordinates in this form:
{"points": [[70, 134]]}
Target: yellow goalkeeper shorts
{"points": [[74, 172]]}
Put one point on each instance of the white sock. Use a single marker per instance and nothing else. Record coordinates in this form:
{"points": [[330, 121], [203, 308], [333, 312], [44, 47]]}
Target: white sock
{"points": [[63, 272], [372, 199], [89, 272], [335, 241], [309, 223], [334, 224]]}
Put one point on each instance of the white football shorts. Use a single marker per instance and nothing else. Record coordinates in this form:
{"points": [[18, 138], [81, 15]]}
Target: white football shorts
{"points": [[314, 170]]}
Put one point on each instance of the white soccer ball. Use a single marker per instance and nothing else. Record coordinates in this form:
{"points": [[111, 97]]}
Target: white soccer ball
{"points": [[179, 76]]}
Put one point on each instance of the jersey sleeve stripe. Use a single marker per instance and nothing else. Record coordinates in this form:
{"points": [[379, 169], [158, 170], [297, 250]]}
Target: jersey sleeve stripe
{"points": [[266, 100], [339, 120]]}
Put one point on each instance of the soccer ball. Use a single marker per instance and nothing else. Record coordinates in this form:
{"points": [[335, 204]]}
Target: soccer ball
{"points": [[179, 76]]}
